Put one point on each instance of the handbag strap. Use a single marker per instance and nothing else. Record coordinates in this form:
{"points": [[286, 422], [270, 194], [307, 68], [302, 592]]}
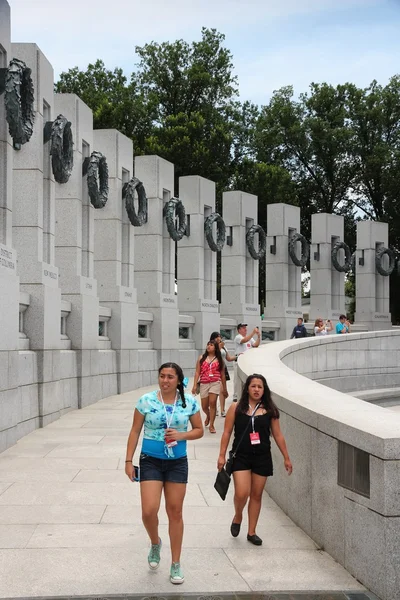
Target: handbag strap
{"points": [[245, 431]]}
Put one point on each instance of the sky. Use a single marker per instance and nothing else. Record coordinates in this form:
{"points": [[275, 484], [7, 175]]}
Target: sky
{"points": [[274, 42]]}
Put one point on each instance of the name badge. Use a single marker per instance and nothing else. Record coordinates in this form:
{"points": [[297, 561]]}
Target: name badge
{"points": [[255, 438]]}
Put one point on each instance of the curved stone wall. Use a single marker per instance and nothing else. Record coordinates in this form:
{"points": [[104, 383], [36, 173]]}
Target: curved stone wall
{"points": [[360, 532], [360, 361]]}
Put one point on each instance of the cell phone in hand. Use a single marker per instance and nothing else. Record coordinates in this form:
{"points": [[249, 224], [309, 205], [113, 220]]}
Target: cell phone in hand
{"points": [[136, 476]]}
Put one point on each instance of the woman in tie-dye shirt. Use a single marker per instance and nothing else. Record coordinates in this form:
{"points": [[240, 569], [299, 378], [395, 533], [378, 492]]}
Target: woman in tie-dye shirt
{"points": [[165, 415]]}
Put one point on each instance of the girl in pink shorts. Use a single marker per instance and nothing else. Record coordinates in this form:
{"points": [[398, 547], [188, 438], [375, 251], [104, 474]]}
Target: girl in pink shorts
{"points": [[210, 374]]}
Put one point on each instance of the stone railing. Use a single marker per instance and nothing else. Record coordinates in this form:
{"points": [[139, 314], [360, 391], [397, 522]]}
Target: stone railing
{"points": [[145, 320], [344, 490], [104, 317], [66, 308], [269, 331], [24, 302], [186, 325]]}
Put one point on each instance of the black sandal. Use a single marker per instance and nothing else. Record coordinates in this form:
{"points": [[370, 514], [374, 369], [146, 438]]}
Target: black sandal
{"points": [[235, 529], [254, 539]]}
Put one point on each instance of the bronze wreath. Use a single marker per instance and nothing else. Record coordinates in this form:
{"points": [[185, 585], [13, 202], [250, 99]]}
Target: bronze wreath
{"points": [[19, 102], [346, 267], [97, 180], [128, 192], [215, 246], [172, 208], [262, 242], [378, 261], [305, 249], [61, 149]]}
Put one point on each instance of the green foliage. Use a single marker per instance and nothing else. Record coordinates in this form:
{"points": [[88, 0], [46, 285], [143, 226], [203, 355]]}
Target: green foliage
{"points": [[334, 149], [116, 104], [271, 183], [310, 138], [187, 78]]}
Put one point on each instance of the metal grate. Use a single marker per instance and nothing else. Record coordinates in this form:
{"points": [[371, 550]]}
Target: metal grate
{"points": [[142, 331], [353, 469], [184, 333]]}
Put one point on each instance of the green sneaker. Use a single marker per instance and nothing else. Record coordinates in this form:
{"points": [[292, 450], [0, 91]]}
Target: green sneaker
{"points": [[176, 575], [154, 556]]}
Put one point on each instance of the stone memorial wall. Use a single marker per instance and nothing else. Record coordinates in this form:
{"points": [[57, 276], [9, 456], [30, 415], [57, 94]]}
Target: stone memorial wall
{"points": [[105, 274]]}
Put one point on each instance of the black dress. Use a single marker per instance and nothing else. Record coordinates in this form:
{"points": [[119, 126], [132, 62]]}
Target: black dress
{"points": [[254, 457]]}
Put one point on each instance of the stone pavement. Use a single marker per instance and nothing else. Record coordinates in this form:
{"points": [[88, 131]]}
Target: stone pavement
{"points": [[70, 521]]}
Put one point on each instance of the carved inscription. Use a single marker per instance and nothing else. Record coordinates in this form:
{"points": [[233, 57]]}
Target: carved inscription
{"points": [[50, 274], [6, 259]]}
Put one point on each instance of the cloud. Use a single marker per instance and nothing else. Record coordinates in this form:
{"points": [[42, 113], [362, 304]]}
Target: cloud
{"points": [[108, 26], [344, 53], [271, 39]]}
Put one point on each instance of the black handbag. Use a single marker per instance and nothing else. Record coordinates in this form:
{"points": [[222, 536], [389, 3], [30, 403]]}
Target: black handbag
{"points": [[223, 479], [222, 483], [227, 377]]}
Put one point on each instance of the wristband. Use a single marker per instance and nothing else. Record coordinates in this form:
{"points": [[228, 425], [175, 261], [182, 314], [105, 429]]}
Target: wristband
{"points": [[129, 460]]}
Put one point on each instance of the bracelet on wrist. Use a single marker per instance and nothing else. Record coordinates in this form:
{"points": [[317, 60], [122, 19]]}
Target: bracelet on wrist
{"points": [[129, 460]]}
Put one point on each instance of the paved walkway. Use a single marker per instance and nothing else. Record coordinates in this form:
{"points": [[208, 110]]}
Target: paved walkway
{"points": [[70, 521]]}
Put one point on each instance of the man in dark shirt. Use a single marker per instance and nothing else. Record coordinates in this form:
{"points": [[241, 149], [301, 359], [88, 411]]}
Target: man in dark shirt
{"points": [[299, 331]]}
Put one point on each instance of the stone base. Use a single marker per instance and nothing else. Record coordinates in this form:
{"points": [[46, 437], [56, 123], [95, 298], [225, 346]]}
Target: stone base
{"points": [[376, 321], [9, 299], [286, 317], [244, 313], [38, 387]]}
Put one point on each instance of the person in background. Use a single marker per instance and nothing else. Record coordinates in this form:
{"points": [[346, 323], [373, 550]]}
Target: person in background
{"points": [[165, 415], [299, 331], [254, 418], [216, 337], [210, 373], [343, 326], [243, 342], [321, 327]]}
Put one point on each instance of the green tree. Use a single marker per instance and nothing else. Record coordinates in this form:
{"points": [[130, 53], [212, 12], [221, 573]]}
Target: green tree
{"points": [[180, 103], [197, 115], [270, 183], [310, 137], [375, 119], [116, 104], [187, 78]]}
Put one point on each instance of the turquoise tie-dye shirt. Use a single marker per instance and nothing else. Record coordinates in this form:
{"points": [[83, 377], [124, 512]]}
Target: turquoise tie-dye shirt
{"points": [[155, 423]]}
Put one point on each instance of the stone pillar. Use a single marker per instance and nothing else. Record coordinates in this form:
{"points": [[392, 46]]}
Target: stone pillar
{"points": [[283, 277], [239, 271], [33, 215], [327, 284], [34, 234], [155, 258], [372, 289], [74, 250], [197, 264], [10, 405], [114, 254]]}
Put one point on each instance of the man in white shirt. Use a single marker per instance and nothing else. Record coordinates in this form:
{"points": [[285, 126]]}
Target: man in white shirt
{"points": [[243, 342]]}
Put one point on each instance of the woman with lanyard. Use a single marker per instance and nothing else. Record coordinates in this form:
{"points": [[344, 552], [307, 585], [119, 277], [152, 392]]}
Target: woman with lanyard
{"points": [[210, 373], [253, 418], [216, 337], [163, 465]]}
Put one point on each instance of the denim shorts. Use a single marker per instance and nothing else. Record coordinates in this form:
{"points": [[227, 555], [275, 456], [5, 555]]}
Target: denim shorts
{"points": [[174, 470]]}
